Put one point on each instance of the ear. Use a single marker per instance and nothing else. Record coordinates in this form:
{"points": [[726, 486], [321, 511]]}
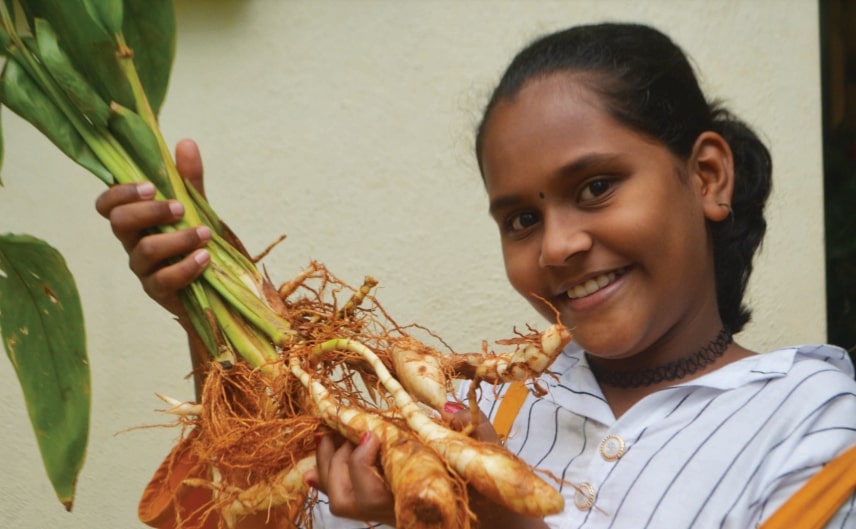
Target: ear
{"points": [[711, 168]]}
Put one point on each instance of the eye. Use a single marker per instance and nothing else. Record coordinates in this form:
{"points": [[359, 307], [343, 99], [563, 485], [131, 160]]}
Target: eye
{"points": [[521, 221], [594, 189]]}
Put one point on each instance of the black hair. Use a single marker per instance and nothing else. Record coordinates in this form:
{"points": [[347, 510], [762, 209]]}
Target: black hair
{"points": [[646, 83]]}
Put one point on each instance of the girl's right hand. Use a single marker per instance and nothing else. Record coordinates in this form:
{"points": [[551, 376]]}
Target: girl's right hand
{"points": [[164, 262]]}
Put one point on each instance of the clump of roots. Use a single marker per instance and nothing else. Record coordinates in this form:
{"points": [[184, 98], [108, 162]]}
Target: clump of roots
{"points": [[353, 369]]}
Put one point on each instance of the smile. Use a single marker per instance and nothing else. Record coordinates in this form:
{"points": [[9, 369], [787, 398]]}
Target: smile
{"points": [[594, 284]]}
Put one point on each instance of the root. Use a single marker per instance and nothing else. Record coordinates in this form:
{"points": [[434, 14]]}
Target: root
{"points": [[253, 431]]}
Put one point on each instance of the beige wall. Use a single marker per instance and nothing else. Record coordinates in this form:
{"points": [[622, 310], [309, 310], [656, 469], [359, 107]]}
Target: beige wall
{"points": [[347, 125]]}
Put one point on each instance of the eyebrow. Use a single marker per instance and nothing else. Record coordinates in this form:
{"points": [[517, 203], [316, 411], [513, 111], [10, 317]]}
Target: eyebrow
{"points": [[582, 164]]}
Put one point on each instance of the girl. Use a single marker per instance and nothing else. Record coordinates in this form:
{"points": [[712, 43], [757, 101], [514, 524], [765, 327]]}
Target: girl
{"points": [[633, 206]]}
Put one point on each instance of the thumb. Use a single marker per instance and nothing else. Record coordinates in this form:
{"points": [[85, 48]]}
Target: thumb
{"points": [[188, 161], [366, 453]]}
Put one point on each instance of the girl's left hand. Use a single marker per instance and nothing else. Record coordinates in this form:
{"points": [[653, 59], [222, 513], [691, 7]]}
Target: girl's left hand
{"points": [[350, 477]]}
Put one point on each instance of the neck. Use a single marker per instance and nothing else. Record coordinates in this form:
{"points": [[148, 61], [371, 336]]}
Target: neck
{"points": [[684, 367]]}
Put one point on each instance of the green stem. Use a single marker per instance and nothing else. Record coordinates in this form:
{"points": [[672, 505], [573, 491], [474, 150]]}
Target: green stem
{"points": [[250, 305], [255, 350]]}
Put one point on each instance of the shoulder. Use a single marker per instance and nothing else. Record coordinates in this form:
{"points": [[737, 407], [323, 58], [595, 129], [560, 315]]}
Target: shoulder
{"points": [[791, 393], [822, 356], [812, 379], [786, 368], [826, 370]]}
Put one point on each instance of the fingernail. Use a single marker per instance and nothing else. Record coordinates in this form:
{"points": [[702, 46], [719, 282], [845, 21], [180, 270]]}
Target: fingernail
{"points": [[202, 257], [311, 484], [204, 233], [146, 190], [365, 438], [452, 407], [176, 208]]}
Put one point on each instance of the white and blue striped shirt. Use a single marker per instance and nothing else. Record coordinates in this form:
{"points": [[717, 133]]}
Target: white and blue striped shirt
{"points": [[721, 451]]}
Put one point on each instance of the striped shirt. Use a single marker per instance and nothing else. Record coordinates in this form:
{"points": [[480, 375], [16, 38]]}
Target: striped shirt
{"points": [[721, 451]]}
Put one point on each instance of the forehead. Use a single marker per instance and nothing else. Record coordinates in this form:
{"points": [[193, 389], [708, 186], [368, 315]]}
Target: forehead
{"points": [[550, 119]]}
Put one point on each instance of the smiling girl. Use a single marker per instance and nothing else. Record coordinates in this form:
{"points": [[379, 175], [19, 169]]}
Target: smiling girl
{"points": [[634, 207]]}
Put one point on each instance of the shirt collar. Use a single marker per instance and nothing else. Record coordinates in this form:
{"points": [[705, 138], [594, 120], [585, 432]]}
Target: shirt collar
{"points": [[573, 368]]}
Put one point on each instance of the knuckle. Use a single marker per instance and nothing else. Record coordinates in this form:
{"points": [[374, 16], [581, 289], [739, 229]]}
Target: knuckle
{"points": [[146, 249], [340, 508], [191, 238], [151, 290]]}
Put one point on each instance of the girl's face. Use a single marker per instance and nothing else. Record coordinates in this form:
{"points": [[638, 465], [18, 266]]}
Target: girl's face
{"points": [[598, 220]]}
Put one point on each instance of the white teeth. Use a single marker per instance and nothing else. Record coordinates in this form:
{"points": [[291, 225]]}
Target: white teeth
{"points": [[592, 285]]}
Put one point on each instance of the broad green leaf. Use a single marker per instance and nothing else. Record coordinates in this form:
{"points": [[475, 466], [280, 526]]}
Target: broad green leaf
{"points": [[72, 82], [41, 324], [24, 97], [108, 13], [4, 41], [87, 43], [149, 29]]}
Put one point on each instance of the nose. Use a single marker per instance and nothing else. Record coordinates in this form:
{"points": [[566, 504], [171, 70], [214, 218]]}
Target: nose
{"points": [[563, 238]]}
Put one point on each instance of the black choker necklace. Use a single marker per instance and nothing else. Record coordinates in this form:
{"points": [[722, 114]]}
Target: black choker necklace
{"points": [[675, 370]]}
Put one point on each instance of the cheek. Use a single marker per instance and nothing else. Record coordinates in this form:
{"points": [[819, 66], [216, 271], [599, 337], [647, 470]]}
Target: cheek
{"points": [[521, 268], [525, 276]]}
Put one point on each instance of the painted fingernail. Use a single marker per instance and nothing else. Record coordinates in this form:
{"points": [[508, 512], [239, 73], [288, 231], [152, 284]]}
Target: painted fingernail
{"points": [[311, 484], [146, 190], [452, 407], [176, 208], [365, 438], [202, 257]]}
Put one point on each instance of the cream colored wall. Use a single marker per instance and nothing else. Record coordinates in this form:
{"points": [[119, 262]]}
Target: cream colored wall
{"points": [[347, 125]]}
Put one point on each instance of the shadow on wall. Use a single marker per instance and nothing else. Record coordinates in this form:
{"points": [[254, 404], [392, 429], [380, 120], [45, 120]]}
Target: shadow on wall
{"points": [[838, 34]]}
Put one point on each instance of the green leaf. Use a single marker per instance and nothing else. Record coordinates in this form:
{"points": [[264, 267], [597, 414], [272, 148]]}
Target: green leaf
{"points": [[149, 29], [91, 48], [82, 26], [73, 84], [2, 154], [24, 97], [107, 12], [41, 324]]}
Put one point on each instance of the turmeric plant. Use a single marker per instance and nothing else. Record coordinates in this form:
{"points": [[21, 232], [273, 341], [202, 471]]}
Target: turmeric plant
{"points": [[285, 363]]}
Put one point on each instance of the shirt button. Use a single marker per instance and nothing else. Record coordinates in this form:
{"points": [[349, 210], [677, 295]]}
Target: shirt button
{"points": [[584, 496], [612, 447]]}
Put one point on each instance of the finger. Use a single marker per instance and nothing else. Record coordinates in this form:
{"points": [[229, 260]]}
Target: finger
{"points": [[483, 430], [152, 250], [339, 487], [123, 194], [165, 283], [370, 488], [367, 482], [323, 455], [130, 222], [188, 161]]}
